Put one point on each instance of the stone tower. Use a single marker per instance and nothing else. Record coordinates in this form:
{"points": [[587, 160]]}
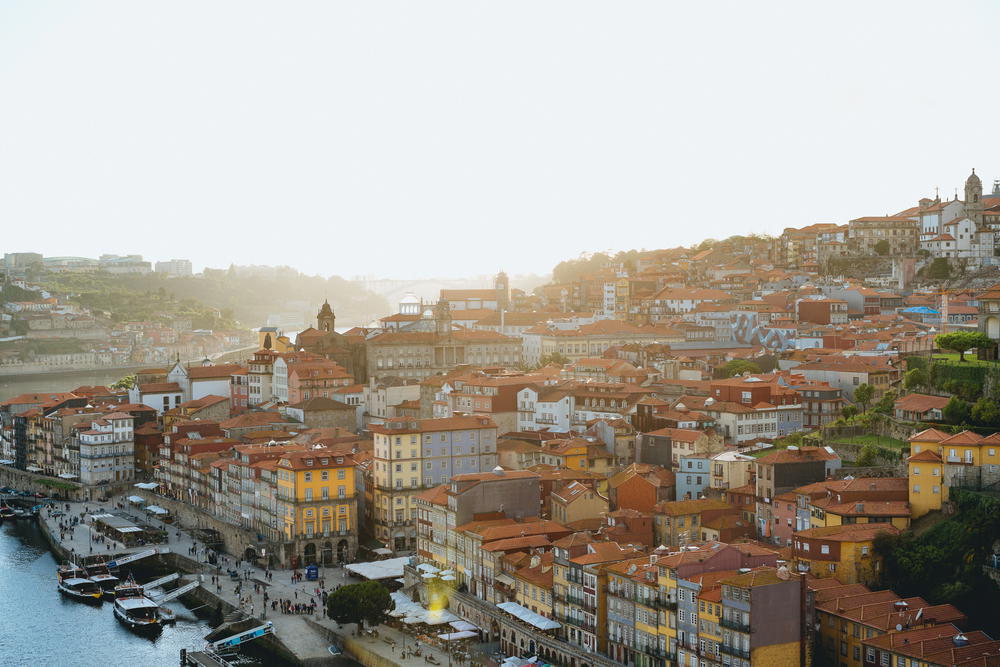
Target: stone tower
{"points": [[974, 198], [325, 319], [442, 319], [502, 285]]}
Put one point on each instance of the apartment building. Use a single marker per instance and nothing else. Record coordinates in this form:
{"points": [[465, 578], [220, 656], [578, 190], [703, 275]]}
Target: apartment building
{"points": [[761, 617], [317, 506], [413, 454], [107, 450]]}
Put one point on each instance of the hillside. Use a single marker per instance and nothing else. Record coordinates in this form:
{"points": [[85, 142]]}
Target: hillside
{"points": [[246, 299]]}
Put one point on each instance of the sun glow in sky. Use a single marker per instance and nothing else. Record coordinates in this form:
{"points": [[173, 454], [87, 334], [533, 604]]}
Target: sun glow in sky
{"points": [[458, 138]]}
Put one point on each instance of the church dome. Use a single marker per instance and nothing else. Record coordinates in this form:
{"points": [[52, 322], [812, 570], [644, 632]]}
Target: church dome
{"points": [[973, 179], [409, 297]]}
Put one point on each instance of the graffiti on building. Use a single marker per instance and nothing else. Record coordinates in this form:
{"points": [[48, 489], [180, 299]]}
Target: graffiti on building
{"points": [[748, 330]]}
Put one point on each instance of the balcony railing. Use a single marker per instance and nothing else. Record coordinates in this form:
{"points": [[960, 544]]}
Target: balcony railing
{"points": [[656, 652], [732, 650], [573, 599], [578, 622], [734, 625]]}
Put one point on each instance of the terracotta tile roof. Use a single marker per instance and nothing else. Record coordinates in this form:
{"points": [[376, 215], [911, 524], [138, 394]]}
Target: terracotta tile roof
{"points": [[963, 438], [437, 495], [300, 460], [926, 455], [684, 507], [603, 552], [763, 576], [318, 403], [412, 425], [518, 543], [921, 403], [929, 435], [213, 372], [574, 540], [251, 419], [678, 434]]}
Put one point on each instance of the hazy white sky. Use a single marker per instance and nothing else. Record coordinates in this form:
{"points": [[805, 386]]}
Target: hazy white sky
{"points": [[450, 138]]}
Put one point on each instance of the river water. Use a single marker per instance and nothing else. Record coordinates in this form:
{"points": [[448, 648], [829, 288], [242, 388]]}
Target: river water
{"points": [[39, 627], [15, 385]]}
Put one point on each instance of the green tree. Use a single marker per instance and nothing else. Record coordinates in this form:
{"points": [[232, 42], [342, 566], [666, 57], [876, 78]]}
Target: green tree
{"points": [[848, 411], [986, 411], [962, 341], [869, 455], [915, 378], [739, 367], [956, 410], [939, 269], [882, 248], [967, 391], [367, 602], [123, 382], [886, 405], [553, 358], [864, 395]]}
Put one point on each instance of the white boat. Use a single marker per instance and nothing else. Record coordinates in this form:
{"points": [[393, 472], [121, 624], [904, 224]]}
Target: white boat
{"points": [[81, 589], [135, 610]]}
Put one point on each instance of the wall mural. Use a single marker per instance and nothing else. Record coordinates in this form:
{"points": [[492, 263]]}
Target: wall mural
{"points": [[748, 331]]}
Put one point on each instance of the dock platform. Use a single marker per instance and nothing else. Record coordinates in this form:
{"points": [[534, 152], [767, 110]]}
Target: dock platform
{"points": [[202, 659]]}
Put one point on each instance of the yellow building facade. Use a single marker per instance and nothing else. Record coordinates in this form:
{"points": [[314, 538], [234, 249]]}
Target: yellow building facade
{"points": [[317, 506]]}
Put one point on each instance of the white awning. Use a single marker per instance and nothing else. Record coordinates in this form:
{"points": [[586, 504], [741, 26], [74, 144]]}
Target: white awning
{"points": [[6, 462], [451, 636], [504, 579], [33, 469], [149, 486], [463, 626], [391, 568], [128, 529], [528, 616], [413, 612], [68, 475], [156, 509], [136, 499]]}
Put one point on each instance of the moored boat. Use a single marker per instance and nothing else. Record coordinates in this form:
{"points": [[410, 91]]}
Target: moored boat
{"points": [[134, 610], [79, 588], [98, 572], [69, 570]]}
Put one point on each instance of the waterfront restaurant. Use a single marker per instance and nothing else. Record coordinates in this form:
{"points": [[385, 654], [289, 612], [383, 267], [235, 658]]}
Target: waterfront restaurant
{"points": [[124, 531]]}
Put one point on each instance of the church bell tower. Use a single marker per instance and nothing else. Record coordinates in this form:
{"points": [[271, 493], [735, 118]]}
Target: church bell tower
{"points": [[502, 285], [442, 319], [974, 198], [325, 319]]}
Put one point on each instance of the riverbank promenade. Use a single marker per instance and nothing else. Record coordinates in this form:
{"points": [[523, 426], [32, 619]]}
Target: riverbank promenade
{"points": [[299, 633]]}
